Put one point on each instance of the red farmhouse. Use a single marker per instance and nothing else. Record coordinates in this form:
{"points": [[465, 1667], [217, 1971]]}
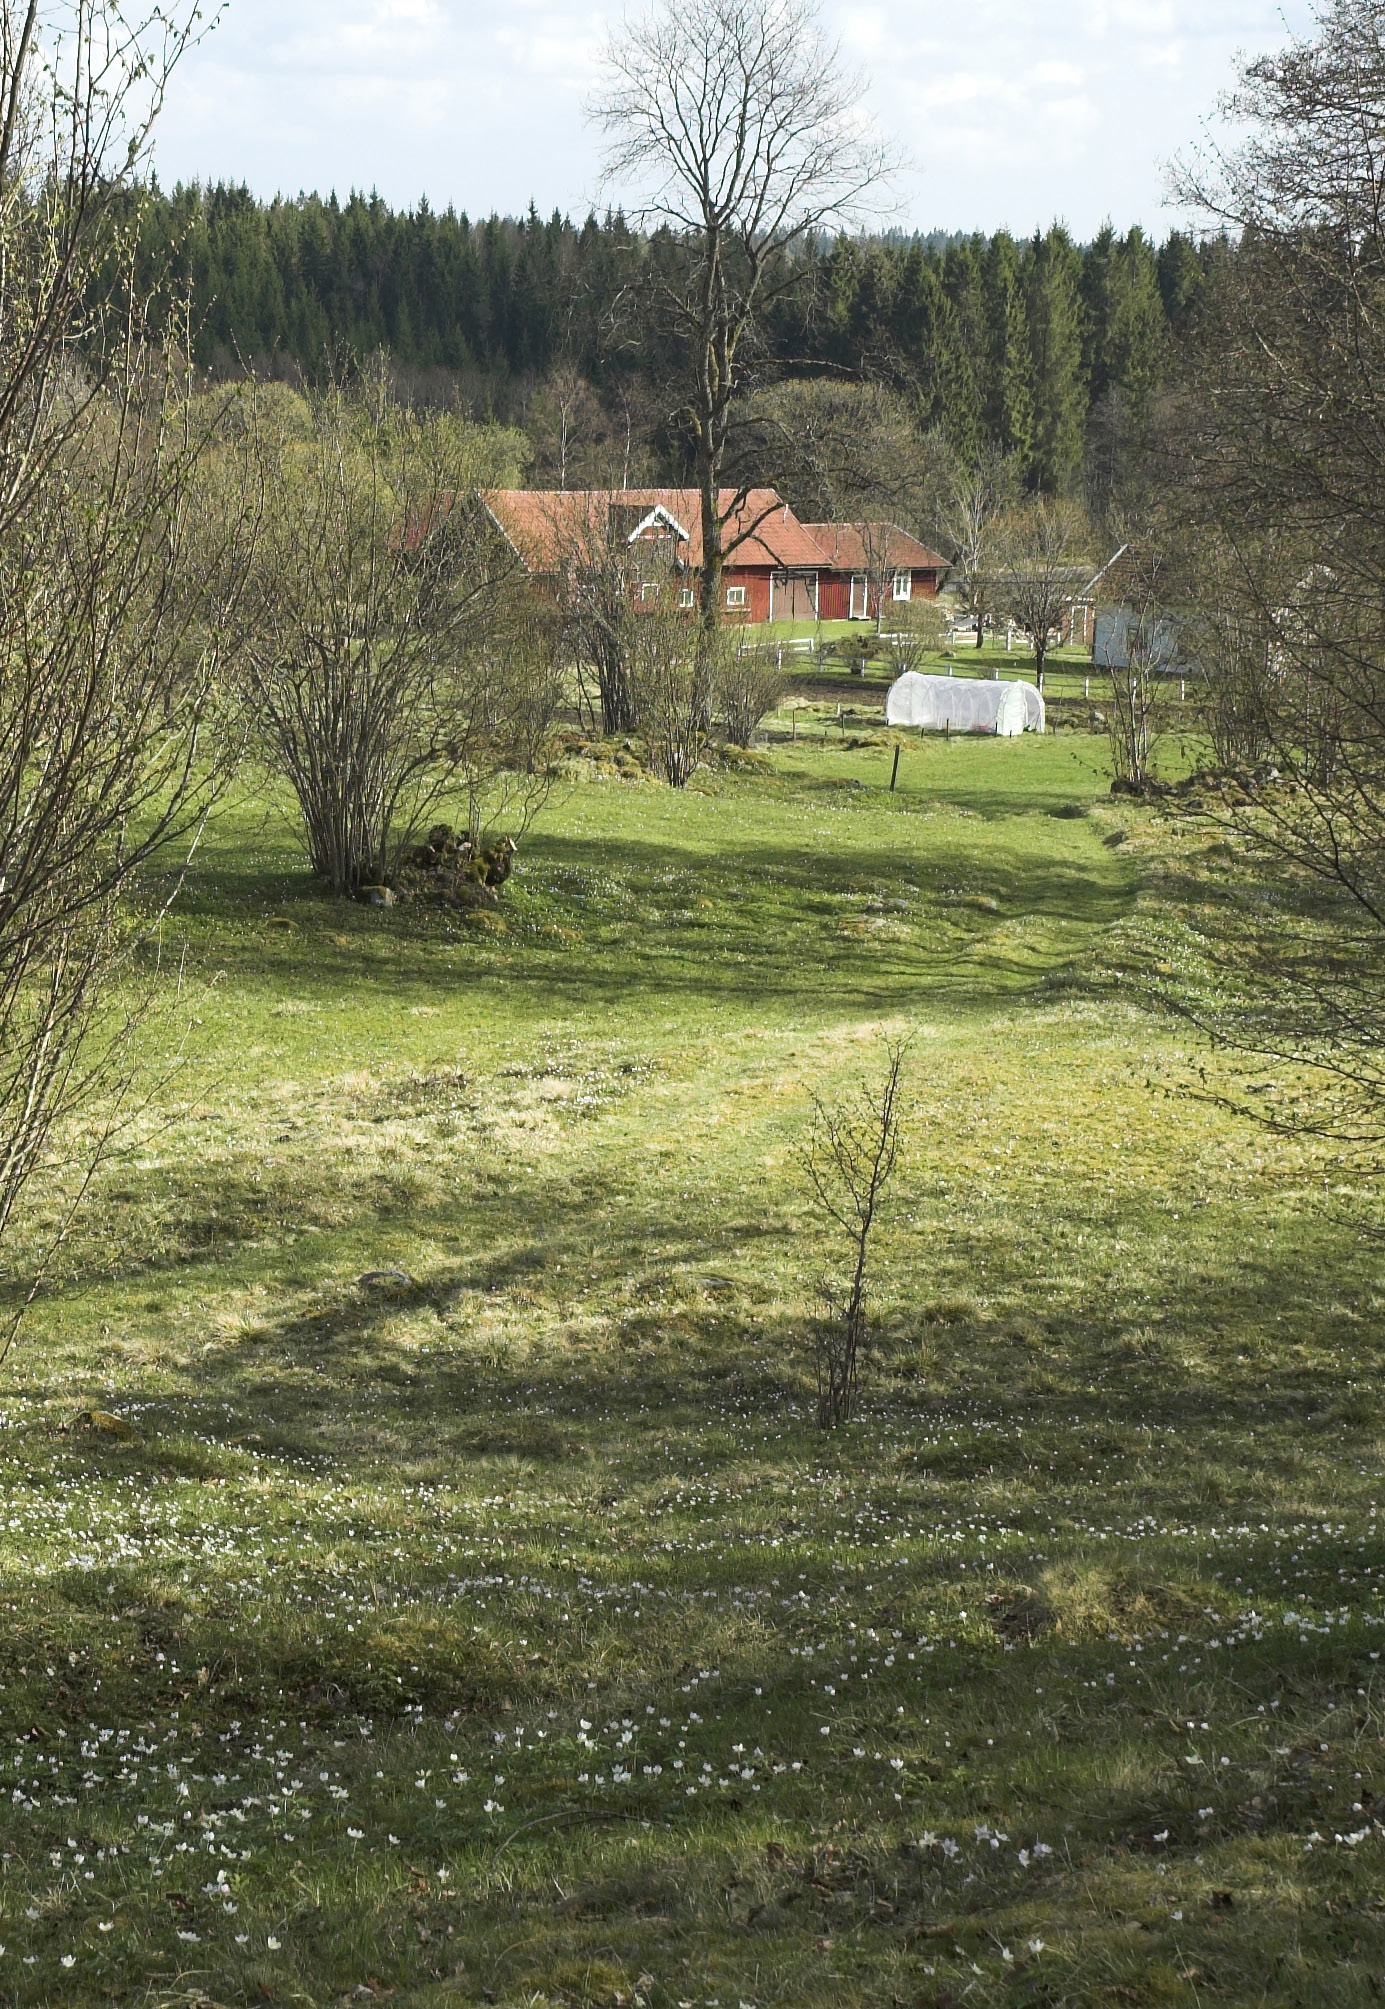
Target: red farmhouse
{"points": [[776, 568]]}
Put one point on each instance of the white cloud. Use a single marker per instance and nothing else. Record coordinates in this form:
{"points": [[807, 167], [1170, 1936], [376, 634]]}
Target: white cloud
{"points": [[868, 31], [1058, 73], [565, 50], [1016, 111]]}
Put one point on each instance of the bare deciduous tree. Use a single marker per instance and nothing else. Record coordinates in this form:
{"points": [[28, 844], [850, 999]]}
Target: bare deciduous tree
{"points": [[735, 125], [1040, 561], [851, 453], [117, 570], [849, 1160], [582, 439], [1277, 456], [975, 500], [1231, 658], [394, 653], [840, 450]]}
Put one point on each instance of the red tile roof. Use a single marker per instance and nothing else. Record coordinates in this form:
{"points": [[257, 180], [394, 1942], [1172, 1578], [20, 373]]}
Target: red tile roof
{"points": [[861, 547], [544, 525]]}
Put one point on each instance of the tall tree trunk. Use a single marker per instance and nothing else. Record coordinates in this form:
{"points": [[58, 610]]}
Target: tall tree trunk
{"points": [[710, 593]]}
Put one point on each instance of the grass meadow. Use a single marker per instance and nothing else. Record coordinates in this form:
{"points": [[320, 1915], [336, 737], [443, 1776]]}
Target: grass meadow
{"points": [[501, 1629]]}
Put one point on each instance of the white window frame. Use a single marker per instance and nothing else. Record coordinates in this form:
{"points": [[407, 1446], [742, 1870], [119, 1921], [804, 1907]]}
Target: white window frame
{"points": [[686, 596], [903, 586], [735, 596]]}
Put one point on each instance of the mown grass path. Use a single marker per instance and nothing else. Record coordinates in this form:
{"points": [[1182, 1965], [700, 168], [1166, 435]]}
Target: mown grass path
{"points": [[504, 1631]]}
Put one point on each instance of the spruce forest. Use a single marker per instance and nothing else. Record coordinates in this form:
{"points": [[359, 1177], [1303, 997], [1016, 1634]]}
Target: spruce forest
{"points": [[1047, 349]]}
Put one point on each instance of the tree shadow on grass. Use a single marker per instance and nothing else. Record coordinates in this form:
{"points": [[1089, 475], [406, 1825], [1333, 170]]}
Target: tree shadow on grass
{"points": [[692, 1383], [781, 927], [540, 1338]]}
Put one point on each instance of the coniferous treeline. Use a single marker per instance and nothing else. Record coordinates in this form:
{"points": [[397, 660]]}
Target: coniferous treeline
{"points": [[1048, 349]]}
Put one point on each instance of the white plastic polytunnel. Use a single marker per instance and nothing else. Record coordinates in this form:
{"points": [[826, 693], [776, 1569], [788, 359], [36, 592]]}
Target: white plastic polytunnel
{"points": [[964, 704]]}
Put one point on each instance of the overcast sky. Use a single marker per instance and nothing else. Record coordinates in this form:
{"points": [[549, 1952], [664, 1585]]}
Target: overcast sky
{"points": [[1014, 111]]}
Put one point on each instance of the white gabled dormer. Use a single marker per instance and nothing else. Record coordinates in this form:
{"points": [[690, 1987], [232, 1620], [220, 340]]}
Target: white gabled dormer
{"points": [[658, 518]]}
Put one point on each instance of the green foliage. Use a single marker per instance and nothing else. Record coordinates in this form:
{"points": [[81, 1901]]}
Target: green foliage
{"points": [[1060, 390], [1127, 320], [1009, 407], [993, 341]]}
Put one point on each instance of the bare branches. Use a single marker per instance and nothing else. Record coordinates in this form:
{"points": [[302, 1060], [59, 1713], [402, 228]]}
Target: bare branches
{"points": [[81, 85], [849, 1160], [975, 499], [844, 451], [1277, 456], [394, 652], [598, 578], [119, 574], [1041, 558], [739, 120], [916, 633], [738, 132], [749, 684], [672, 668]]}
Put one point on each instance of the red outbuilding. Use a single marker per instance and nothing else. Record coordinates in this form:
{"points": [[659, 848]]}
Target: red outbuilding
{"points": [[870, 565]]}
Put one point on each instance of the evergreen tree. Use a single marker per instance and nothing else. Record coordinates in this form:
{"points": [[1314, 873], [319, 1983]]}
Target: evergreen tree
{"points": [[962, 349], [1008, 391], [1128, 345], [1182, 269], [1054, 274]]}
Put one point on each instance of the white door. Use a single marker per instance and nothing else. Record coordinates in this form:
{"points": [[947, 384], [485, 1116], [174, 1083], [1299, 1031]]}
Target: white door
{"points": [[858, 596]]}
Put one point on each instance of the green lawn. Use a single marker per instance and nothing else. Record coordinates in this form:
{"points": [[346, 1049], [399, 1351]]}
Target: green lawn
{"points": [[504, 1631]]}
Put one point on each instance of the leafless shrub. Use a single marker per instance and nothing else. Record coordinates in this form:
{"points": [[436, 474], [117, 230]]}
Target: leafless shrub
{"points": [[915, 633], [673, 671], [394, 653], [749, 685], [849, 1160], [597, 577]]}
